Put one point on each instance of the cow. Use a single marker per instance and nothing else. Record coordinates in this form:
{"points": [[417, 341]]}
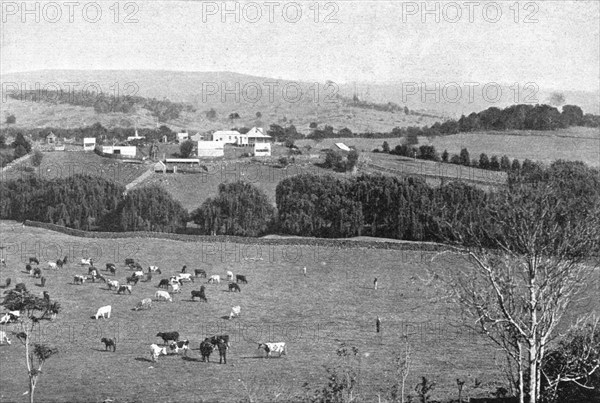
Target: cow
{"points": [[156, 351], [78, 279], [215, 339], [273, 348], [129, 262], [123, 288], [152, 269], [112, 284], [92, 270], [235, 311], [132, 279], [109, 343], [28, 268], [113, 270], [163, 295], [206, 349], [4, 337], [175, 287], [46, 296], [87, 262], [230, 276], [146, 303], [166, 336], [60, 263], [214, 279], [200, 272], [222, 346], [37, 272], [200, 294], [139, 274], [136, 266], [109, 265], [34, 260], [183, 269], [177, 346], [164, 283], [105, 310], [240, 279], [184, 276], [52, 265], [10, 317], [100, 277], [234, 287]]}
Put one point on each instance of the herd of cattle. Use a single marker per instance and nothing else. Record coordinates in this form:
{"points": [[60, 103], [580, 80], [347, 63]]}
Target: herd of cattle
{"points": [[171, 342]]}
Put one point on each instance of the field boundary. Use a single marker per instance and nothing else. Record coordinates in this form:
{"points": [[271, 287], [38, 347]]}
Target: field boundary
{"points": [[341, 243]]}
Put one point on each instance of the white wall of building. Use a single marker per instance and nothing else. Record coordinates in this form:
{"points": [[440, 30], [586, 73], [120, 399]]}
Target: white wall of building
{"points": [[211, 149], [262, 150], [126, 151]]}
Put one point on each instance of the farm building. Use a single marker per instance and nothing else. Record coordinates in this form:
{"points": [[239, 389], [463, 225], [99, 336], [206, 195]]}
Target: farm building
{"points": [[136, 137], [126, 151], [230, 137], [183, 136], [262, 149], [89, 143], [182, 161], [51, 138], [197, 137], [160, 167], [341, 149], [257, 135], [211, 149]]}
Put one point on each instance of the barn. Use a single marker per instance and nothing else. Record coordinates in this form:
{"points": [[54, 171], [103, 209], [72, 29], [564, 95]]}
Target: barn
{"points": [[89, 143], [211, 149], [125, 151]]}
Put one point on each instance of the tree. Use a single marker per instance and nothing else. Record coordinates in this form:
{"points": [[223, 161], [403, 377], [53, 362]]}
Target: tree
{"points": [[352, 160], [186, 148], [345, 132], [556, 99], [20, 151], [234, 115], [504, 163], [258, 115], [332, 159], [494, 163], [385, 147], [37, 158], [11, 119], [516, 165], [484, 161], [211, 114], [464, 157], [445, 156], [21, 141], [406, 110], [529, 261], [313, 125], [572, 115], [37, 354]]}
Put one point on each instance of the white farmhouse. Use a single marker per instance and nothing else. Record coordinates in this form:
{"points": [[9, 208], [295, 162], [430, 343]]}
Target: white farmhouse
{"points": [[183, 136], [89, 143], [126, 151]]}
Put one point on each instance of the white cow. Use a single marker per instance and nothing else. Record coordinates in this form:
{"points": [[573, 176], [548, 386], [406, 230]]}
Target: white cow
{"points": [[138, 273], [304, 271], [4, 337], [215, 279], [146, 303], [163, 295], [156, 351], [11, 316], [230, 276], [105, 310], [112, 284], [235, 311], [87, 262], [176, 287], [273, 348], [78, 279], [52, 265], [185, 277], [154, 269]]}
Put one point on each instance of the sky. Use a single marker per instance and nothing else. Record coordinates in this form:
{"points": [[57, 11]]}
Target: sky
{"points": [[554, 44]]}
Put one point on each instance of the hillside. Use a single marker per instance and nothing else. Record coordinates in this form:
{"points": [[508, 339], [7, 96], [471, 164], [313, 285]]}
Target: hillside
{"points": [[278, 101]]}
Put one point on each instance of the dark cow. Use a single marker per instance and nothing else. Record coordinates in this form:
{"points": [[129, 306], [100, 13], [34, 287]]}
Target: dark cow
{"points": [[164, 283], [222, 346], [215, 339], [183, 268], [113, 270], [200, 272], [206, 349], [234, 287], [166, 336], [34, 260], [123, 288], [200, 294], [240, 279], [133, 279], [37, 272], [100, 277], [28, 268], [129, 261], [46, 296], [91, 270], [59, 264], [109, 265], [108, 343]]}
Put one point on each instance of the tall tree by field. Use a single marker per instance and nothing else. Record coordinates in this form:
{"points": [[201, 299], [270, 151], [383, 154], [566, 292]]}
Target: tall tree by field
{"points": [[21, 141], [186, 148], [464, 157], [35, 354], [239, 209], [530, 259]]}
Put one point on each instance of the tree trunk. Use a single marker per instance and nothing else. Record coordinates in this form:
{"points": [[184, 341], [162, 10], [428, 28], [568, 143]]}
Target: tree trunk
{"points": [[32, 382], [520, 364], [533, 370]]}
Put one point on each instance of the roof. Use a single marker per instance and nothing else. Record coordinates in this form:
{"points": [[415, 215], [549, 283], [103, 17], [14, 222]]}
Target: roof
{"points": [[183, 160], [342, 147], [50, 135], [257, 132], [227, 133]]}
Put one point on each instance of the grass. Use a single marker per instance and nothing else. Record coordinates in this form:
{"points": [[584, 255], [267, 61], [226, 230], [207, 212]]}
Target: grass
{"points": [[61, 164], [312, 314]]}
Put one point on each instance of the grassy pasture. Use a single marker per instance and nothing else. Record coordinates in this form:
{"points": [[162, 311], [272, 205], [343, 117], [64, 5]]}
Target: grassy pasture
{"points": [[334, 303], [61, 164]]}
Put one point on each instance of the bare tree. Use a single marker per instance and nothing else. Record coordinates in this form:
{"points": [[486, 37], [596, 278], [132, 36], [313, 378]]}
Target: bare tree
{"points": [[35, 354], [529, 260]]}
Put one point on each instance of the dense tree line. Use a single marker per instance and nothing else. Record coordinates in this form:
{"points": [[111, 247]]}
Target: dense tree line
{"points": [[164, 110], [239, 209], [90, 203]]}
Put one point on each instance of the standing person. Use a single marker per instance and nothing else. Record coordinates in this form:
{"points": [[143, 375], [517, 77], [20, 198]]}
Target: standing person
{"points": [[304, 271], [378, 324], [375, 283]]}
